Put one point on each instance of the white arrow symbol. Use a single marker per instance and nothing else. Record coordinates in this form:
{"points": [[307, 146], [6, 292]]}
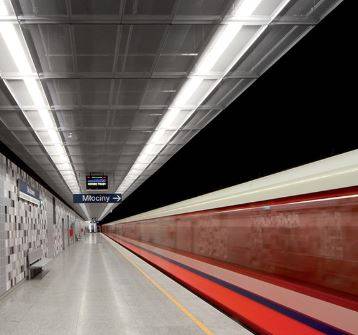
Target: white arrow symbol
{"points": [[118, 198]]}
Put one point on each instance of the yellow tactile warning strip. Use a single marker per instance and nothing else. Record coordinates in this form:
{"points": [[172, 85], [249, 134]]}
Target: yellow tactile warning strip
{"points": [[183, 309]]}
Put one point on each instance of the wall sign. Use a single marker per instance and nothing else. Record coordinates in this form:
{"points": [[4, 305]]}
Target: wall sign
{"points": [[27, 193], [114, 198]]}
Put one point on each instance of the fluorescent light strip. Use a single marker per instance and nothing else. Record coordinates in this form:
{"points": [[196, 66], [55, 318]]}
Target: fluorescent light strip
{"points": [[215, 49], [19, 54], [84, 208]]}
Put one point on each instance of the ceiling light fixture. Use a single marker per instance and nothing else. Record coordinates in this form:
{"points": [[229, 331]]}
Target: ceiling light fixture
{"points": [[223, 45], [12, 36]]}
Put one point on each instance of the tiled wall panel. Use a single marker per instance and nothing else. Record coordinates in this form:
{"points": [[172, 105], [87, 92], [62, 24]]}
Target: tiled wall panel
{"points": [[2, 230], [25, 226]]}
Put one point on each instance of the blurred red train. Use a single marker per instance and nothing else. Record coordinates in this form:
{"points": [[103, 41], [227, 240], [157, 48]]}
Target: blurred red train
{"points": [[287, 265]]}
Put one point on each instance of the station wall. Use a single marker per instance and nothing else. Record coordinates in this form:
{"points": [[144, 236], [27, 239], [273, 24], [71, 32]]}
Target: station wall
{"points": [[25, 226]]}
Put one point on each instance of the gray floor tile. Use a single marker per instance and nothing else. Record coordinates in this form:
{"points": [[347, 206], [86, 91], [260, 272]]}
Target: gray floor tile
{"points": [[91, 289]]}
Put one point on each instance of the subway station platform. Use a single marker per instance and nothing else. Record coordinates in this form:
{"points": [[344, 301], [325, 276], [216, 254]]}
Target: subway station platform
{"points": [[98, 287], [251, 228]]}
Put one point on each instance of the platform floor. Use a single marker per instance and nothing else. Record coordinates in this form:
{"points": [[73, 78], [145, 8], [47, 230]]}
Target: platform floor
{"points": [[98, 287]]}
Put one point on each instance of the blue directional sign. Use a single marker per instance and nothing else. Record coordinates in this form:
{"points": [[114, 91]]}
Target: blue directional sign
{"points": [[114, 198]]}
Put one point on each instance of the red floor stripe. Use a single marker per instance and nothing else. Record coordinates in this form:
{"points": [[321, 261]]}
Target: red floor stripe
{"points": [[337, 298], [257, 316]]}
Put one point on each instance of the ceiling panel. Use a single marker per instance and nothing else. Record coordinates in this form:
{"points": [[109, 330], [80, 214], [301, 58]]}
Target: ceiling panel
{"points": [[35, 149], [53, 46], [95, 39], [123, 118], [146, 120], [138, 137], [13, 119], [43, 7], [203, 7], [141, 48], [125, 81], [6, 100], [149, 7], [119, 136], [129, 9], [84, 136], [72, 119], [96, 7], [25, 137], [275, 39]]}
